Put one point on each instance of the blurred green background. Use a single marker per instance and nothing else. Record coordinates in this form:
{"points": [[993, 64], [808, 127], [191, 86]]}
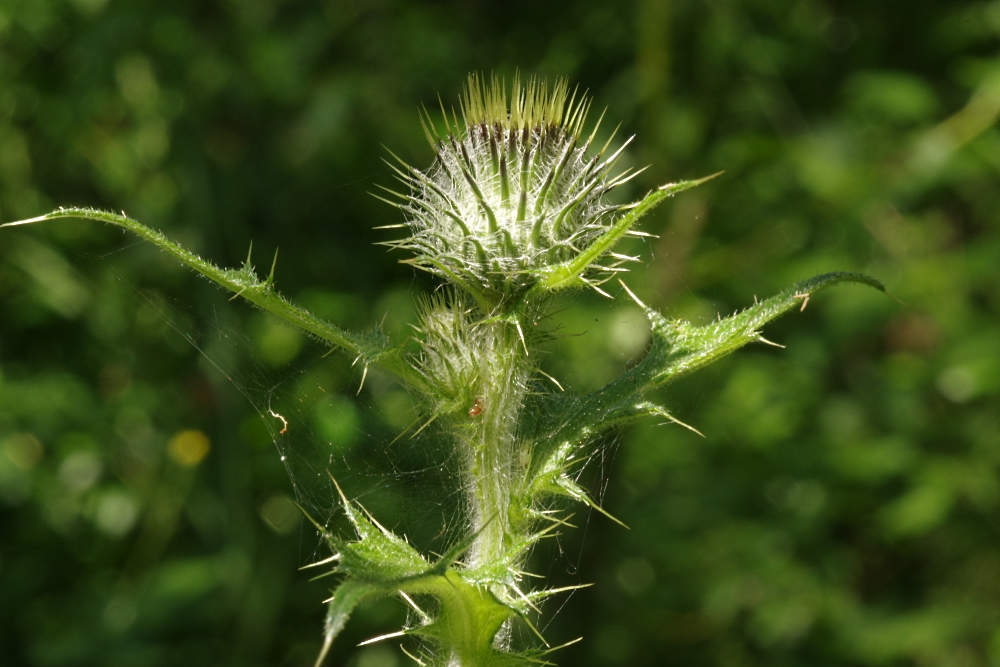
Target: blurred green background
{"points": [[844, 508]]}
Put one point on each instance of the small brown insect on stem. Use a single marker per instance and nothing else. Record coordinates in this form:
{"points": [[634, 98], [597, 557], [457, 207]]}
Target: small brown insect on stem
{"points": [[477, 407]]}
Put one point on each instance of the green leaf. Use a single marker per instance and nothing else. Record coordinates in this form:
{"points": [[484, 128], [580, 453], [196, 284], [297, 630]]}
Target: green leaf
{"points": [[349, 594], [372, 348], [380, 563], [570, 273], [680, 347], [566, 422], [378, 556]]}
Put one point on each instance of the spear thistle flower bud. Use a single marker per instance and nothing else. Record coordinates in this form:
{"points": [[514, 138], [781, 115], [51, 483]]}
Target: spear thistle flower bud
{"points": [[512, 193]]}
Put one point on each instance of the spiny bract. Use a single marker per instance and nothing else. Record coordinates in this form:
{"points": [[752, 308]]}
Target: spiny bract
{"points": [[513, 190]]}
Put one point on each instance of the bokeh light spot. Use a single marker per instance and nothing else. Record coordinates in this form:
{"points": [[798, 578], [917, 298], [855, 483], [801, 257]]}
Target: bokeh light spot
{"points": [[189, 447]]}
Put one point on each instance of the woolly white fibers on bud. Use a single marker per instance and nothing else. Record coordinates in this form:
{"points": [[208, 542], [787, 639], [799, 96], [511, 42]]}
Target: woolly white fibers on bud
{"points": [[512, 192]]}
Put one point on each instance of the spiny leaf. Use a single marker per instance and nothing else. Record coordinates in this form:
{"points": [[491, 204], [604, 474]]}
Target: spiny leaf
{"points": [[690, 347], [570, 488], [381, 563], [566, 275], [373, 347], [378, 556], [572, 421], [349, 594], [678, 348]]}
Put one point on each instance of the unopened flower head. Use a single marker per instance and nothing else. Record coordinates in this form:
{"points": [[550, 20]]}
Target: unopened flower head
{"points": [[513, 192]]}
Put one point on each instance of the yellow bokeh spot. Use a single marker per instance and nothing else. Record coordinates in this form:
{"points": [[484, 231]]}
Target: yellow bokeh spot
{"points": [[189, 447]]}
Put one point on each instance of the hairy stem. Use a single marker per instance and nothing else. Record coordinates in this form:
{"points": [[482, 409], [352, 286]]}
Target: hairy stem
{"points": [[493, 443]]}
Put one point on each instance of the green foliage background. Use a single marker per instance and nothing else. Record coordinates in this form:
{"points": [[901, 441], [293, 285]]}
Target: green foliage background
{"points": [[843, 508]]}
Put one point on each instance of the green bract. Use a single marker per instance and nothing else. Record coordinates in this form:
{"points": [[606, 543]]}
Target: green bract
{"points": [[512, 210]]}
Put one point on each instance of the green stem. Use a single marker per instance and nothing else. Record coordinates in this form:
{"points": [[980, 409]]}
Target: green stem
{"points": [[492, 450]]}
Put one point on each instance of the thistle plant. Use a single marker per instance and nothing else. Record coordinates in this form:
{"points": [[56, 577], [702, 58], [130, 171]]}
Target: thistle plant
{"points": [[513, 211]]}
